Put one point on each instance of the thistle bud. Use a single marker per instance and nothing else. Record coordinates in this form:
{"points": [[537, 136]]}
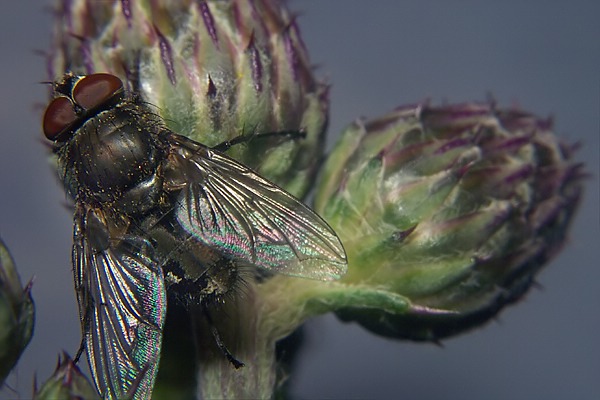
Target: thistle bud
{"points": [[16, 314], [67, 382], [446, 212], [214, 70]]}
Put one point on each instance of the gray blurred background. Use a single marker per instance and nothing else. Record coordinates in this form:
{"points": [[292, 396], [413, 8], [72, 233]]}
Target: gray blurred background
{"points": [[541, 55]]}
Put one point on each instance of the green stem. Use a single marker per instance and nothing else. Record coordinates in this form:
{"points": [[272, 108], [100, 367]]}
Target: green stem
{"points": [[251, 326]]}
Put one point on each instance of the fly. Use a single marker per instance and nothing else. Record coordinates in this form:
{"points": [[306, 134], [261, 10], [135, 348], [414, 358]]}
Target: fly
{"points": [[156, 211]]}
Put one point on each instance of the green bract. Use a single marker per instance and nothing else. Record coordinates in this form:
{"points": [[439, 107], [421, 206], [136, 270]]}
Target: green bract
{"points": [[453, 208], [16, 314]]}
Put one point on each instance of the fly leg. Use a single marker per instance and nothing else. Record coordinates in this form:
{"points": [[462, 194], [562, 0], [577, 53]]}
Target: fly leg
{"points": [[215, 332], [85, 329], [80, 351], [226, 145]]}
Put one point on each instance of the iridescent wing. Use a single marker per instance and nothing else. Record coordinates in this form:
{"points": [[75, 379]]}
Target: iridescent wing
{"points": [[228, 206], [122, 303]]}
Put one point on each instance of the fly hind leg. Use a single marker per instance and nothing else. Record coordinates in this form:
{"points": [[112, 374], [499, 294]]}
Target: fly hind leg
{"points": [[220, 344]]}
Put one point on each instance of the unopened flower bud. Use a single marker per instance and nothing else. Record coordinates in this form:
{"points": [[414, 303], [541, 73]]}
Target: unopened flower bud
{"points": [[67, 382], [214, 70], [453, 208], [16, 314]]}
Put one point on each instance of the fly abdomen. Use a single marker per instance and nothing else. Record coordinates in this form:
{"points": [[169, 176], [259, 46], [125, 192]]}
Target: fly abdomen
{"points": [[194, 272]]}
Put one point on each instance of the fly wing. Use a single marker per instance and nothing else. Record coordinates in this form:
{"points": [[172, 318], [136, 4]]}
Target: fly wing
{"points": [[228, 206], [122, 303]]}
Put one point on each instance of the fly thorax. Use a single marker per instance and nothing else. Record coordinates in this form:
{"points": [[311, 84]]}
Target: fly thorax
{"points": [[113, 158]]}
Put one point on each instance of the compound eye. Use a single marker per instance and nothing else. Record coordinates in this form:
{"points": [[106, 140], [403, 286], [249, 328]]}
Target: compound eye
{"points": [[59, 115], [94, 90]]}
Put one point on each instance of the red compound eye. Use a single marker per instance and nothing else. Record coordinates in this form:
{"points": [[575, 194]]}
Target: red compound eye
{"points": [[96, 89], [58, 116]]}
